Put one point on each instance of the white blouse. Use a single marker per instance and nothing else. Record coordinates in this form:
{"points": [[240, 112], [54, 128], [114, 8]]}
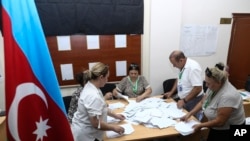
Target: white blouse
{"points": [[91, 103]]}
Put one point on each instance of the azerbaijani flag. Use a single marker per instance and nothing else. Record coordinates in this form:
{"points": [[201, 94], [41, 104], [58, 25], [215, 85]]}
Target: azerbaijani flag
{"points": [[34, 106]]}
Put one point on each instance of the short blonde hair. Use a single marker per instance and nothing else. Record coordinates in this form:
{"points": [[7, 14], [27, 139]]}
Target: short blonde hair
{"points": [[216, 74]]}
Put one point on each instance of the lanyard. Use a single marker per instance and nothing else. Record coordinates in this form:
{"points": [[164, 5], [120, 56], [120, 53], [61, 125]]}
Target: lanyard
{"points": [[134, 87], [209, 99], [180, 74]]}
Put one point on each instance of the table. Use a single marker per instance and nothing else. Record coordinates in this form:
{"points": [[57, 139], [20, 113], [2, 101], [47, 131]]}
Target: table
{"points": [[146, 134], [247, 108], [3, 136], [246, 104]]}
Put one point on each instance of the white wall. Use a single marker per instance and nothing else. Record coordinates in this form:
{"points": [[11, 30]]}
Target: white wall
{"points": [[164, 37], [162, 26], [2, 94], [167, 18]]}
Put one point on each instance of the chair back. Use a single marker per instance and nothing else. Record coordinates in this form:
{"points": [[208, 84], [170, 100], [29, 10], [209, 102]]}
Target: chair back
{"points": [[168, 84], [66, 100]]}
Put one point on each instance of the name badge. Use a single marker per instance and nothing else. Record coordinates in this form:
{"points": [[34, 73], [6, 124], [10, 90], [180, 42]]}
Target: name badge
{"points": [[179, 87]]}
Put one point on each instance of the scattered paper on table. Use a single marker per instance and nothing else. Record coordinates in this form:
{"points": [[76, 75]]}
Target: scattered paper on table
{"points": [[186, 128], [128, 129]]}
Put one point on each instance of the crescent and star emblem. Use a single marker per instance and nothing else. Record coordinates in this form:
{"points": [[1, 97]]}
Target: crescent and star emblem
{"points": [[23, 90]]}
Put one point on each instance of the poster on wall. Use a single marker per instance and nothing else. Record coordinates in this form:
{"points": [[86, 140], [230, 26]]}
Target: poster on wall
{"points": [[199, 40]]}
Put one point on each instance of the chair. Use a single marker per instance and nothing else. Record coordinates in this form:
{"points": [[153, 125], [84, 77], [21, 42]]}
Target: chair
{"points": [[167, 86], [108, 87], [66, 100]]}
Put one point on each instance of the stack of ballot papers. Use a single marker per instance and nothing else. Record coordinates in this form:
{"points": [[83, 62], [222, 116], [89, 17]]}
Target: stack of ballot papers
{"points": [[128, 129], [186, 128], [153, 113]]}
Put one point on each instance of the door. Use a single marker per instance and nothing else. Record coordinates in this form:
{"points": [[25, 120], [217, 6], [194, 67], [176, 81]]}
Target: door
{"points": [[239, 50]]}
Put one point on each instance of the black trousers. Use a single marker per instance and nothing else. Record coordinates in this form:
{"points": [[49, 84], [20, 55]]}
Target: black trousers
{"points": [[219, 134]]}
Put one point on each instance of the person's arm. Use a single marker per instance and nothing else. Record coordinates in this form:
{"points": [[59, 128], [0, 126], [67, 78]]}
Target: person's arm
{"points": [[147, 87], [101, 125], [120, 86], [115, 92], [223, 115], [196, 109], [108, 96], [146, 94], [96, 120], [193, 93], [114, 115]]}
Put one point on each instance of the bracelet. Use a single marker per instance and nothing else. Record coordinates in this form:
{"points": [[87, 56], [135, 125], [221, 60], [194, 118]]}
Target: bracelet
{"points": [[184, 100]]}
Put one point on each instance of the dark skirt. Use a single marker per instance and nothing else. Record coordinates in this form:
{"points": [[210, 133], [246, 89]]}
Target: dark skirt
{"points": [[219, 134]]}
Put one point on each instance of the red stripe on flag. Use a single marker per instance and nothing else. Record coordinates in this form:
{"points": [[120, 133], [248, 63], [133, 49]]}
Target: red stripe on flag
{"points": [[29, 110]]}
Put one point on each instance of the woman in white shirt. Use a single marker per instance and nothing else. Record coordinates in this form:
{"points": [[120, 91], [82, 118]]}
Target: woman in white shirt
{"points": [[90, 120]]}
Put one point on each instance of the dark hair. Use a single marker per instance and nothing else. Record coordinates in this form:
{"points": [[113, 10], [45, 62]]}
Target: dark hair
{"points": [[220, 66], [82, 78], [133, 66]]}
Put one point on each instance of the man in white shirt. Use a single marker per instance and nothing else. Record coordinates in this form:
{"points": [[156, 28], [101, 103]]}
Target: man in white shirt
{"points": [[189, 81]]}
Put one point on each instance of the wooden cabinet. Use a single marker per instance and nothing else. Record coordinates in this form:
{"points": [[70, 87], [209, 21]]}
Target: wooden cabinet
{"points": [[239, 50]]}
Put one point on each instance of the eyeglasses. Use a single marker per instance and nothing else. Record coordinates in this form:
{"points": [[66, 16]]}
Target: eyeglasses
{"points": [[208, 72]]}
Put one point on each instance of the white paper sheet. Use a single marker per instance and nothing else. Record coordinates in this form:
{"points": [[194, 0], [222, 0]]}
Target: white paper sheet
{"points": [[120, 41], [199, 40], [67, 72], [128, 129], [93, 42], [121, 68], [186, 128], [63, 43]]}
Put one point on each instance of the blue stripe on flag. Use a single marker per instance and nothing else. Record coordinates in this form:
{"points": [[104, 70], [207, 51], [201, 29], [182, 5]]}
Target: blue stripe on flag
{"points": [[28, 33]]}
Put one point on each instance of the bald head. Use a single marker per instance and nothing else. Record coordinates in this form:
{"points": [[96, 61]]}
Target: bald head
{"points": [[177, 55]]}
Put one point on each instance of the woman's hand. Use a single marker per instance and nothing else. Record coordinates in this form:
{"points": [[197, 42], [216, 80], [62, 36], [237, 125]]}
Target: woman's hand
{"points": [[108, 96], [197, 127], [118, 129], [186, 117], [180, 103], [120, 116], [139, 98], [167, 95]]}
